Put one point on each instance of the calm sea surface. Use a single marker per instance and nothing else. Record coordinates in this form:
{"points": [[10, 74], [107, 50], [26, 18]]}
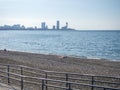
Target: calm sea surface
{"points": [[85, 44]]}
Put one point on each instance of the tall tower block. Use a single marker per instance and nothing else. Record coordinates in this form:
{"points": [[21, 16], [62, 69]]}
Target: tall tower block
{"points": [[58, 25], [66, 25], [43, 26]]}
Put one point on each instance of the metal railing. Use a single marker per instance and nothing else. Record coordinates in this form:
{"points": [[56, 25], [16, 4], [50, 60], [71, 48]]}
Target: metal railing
{"points": [[47, 80]]}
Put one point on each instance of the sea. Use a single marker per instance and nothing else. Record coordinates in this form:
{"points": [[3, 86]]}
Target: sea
{"points": [[96, 44]]}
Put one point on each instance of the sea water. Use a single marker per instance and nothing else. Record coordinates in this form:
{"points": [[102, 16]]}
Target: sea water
{"points": [[85, 44]]}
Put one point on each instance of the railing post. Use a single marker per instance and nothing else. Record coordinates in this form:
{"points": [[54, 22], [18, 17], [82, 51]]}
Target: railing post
{"points": [[21, 70], [46, 81], [21, 83], [21, 78], [42, 84], [92, 83], [8, 70], [104, 88], [69, 86], [66, 79]]}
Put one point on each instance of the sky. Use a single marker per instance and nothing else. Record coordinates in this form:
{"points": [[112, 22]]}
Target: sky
{"points": [[80, 14]]}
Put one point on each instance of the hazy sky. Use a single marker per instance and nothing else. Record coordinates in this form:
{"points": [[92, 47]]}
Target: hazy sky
{"points": [[80, 14]]}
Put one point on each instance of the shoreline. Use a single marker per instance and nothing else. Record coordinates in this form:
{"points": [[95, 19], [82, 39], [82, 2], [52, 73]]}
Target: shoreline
{"points": [[72, 56], [61, 63]]}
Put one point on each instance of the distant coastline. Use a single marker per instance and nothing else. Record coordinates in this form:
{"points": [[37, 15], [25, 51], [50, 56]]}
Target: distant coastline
{"points": [[40, 29], [44, 26]]}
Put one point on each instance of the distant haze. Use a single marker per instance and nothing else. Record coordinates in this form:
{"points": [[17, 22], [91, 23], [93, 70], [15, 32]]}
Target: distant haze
{"points": [[81, 14]]}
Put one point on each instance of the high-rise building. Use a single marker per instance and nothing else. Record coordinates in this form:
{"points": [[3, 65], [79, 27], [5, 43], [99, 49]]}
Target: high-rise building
{"points": [[53, 27], [43, 26], [66, 25], [58, 25]]}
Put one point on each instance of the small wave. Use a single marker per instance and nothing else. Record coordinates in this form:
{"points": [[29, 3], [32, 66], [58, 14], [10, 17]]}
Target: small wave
{"points": [[31, 43], [102, 59]]}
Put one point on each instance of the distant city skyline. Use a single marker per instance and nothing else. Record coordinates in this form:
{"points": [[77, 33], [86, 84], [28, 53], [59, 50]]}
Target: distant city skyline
{"points": [[82, 14], [44, 26]]}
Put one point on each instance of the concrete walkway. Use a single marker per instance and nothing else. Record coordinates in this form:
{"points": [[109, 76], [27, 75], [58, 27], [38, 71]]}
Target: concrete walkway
{"points": [[7, 87]]}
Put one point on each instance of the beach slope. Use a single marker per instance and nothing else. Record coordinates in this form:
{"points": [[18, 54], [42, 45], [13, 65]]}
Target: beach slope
{"points": [[61, 63]]}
